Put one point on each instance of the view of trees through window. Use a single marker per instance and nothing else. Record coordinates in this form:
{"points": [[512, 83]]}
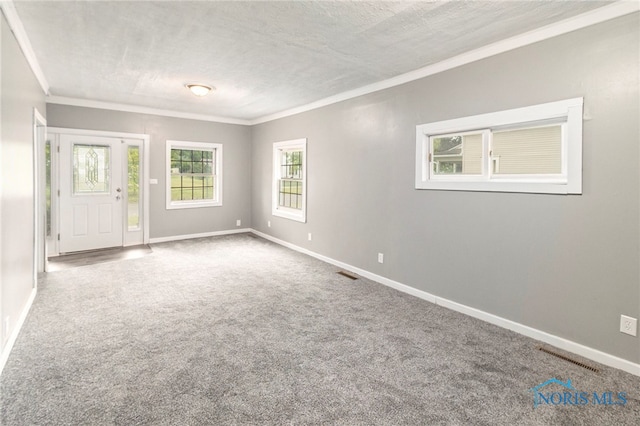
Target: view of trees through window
{"points": [[133, 186], [192, 174]]}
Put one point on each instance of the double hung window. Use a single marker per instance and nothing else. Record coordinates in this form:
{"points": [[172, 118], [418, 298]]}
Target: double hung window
{"points": [[289, 179], [194, 174]]}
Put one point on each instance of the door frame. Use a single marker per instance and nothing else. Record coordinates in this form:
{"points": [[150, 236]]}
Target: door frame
{"points": [[144, 139], [39, 195]]}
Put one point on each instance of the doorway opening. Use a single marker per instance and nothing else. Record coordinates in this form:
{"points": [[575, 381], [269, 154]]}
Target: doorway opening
{"points": [[100, 186]]}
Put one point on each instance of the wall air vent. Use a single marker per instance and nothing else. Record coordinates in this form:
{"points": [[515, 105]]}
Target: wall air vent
{"points": [[348, 275], [566, 358]]}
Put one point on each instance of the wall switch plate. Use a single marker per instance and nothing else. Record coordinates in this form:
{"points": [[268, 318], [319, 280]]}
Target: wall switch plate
{"points": [[309, 236], [5, 328], [628, 325], [380, 258], [268, 224], [238, 222]]}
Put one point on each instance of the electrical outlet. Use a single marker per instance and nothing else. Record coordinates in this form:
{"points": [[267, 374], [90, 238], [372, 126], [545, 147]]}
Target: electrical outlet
{"points": [[628, 325], [238, 222], [5, 326], [309, 236], [380, 258], [268, 224]]}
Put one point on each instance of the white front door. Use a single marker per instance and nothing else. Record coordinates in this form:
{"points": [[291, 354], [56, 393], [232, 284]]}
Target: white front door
{"points": [[91, 193]]}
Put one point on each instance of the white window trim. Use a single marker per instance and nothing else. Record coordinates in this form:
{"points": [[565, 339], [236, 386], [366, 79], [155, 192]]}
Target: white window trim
{"points": [[568, 182], [277, 210], [188, 204]]}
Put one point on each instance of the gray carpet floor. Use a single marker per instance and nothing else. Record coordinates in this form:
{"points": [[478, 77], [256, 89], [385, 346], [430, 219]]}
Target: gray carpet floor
{"points": [[238, 330]]}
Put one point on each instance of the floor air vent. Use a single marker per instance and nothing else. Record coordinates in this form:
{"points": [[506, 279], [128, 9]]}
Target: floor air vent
{"points": [[566, 358], [348, 275]]}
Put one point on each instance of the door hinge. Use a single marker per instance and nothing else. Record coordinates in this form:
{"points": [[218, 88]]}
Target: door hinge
{"points": [[58, 237], [58, 192], [429, 157], [58, 148]]}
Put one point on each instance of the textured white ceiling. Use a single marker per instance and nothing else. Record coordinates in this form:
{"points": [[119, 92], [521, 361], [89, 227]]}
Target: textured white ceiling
{"points": [[263, 57]]}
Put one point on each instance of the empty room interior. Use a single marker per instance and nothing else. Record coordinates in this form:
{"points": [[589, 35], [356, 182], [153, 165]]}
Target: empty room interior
{"points": [[319, 212]]}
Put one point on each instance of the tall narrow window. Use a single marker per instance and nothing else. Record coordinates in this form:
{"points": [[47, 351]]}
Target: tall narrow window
{"points": [[47, 160], [289, 180], [133, 187], [194, 174]]}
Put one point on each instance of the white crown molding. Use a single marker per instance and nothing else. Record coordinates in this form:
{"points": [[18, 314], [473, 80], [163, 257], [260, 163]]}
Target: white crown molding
{"points": [[584, 20], [596, 16], [17, 28], [60, 100]]}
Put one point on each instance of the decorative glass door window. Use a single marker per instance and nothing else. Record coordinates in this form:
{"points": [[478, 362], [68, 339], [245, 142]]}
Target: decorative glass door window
{"points": [[91, 169]]}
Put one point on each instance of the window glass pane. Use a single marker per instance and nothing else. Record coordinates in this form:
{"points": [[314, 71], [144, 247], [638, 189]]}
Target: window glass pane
{"points": [[291, 165], [527, 151], [47, 160], [208, 192], [198, 193], [133, 187], [192, 174], [290, 194], [187, 193], [290, 186], [176, 194], [91, 169], [457, 154]]}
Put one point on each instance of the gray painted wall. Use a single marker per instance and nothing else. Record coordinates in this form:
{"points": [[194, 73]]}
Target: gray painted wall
{"points": [[567, 265], [20, 94], [236, 164]]}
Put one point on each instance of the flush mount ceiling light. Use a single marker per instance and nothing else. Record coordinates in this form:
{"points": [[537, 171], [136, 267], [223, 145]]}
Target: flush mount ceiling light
{"points": [[199, 89]]}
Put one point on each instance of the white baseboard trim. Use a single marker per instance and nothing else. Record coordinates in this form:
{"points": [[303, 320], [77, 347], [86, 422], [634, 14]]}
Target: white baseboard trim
{"points": [[4, 357], [558, 342], [363, 273], [201, 235]]}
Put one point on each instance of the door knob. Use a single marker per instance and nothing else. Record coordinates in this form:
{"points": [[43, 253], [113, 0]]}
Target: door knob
{"points": [[118, 190], [117, 197]]}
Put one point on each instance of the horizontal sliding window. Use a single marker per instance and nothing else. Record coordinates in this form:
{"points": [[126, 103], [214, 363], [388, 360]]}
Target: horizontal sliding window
{"points": [[534, 149], [457, 154]]}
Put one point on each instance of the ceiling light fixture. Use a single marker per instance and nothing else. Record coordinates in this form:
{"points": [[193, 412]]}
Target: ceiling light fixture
{"points": [[199, 89]]}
